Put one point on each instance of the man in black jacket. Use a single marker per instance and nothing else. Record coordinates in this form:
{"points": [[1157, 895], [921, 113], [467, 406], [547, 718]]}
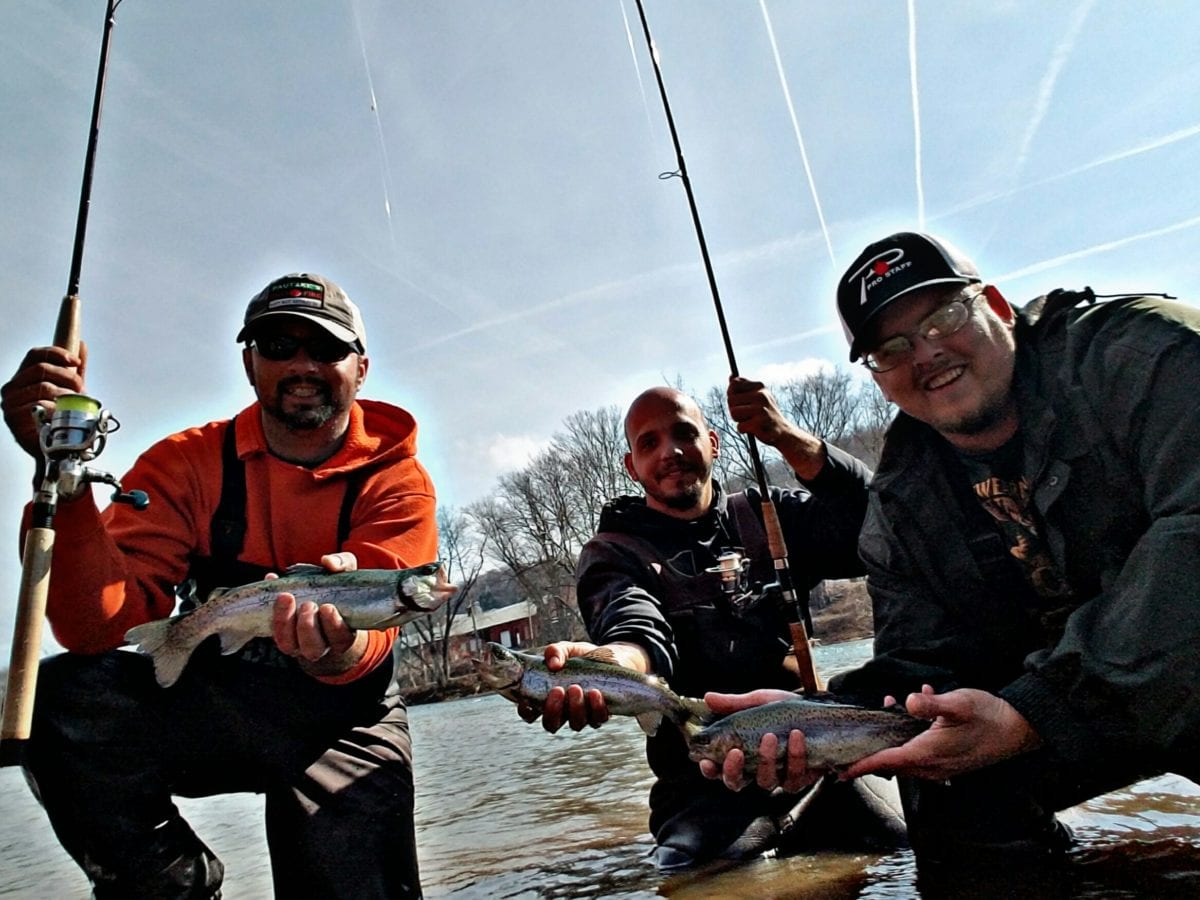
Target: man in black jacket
{"points": [[650, 593], [1032, 545]]}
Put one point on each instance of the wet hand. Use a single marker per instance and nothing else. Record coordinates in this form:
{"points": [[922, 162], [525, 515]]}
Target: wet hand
{"points": [[790, 773], [345, 561], [574, 707], [971, 729], [44, 374], [571, 705], [309, 632]]}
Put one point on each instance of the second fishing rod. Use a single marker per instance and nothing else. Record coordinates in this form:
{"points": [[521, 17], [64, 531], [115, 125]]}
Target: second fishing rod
{"points": [[800, 645]]}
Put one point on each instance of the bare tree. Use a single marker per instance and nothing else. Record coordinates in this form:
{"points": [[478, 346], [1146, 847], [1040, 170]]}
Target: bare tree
{"points": [[874, 413], [427, 641], [822, 403], [539, 517], [733, 466]]}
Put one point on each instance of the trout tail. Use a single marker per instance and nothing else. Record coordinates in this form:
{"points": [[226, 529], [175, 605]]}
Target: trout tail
{"points": [[693, 715], [157, 639]]}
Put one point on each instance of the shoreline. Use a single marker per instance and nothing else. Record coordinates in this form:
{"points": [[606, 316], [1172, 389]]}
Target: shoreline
{"points": [[846, 617]]}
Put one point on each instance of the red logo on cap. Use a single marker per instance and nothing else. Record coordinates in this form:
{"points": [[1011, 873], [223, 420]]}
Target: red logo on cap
{"points": [[880, 267]]}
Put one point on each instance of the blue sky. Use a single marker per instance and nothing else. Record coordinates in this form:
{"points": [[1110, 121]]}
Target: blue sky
{"points": [[482, 178]]}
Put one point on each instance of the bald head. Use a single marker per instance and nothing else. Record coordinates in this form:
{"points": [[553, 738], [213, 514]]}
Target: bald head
{"points": [[657, 400]]}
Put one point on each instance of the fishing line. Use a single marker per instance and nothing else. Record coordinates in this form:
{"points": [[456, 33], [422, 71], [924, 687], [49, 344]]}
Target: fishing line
{"points": [[787, 98]]}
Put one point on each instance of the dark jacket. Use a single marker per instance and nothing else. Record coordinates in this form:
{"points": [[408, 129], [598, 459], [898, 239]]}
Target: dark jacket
{"points": [[1107, 401], [642, 579]]}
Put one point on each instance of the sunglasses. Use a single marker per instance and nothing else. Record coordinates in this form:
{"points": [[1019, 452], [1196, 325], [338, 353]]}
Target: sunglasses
{"points": [[280, 347]]}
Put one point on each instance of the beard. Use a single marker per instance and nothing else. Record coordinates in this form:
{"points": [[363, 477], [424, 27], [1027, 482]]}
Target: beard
{"points": [[307, 418], [687, 496], [991, 412]]}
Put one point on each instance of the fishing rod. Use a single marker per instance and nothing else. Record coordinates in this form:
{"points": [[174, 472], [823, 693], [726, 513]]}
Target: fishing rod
{"points": [[70, 436], [775, 541]]}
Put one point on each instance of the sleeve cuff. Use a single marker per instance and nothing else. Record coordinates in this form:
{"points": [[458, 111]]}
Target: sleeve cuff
{"points": [[839, 470], [1062, 731]]}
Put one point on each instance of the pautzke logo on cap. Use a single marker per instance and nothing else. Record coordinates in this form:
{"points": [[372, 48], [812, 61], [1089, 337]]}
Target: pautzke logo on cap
{"points": [[307, 294]]}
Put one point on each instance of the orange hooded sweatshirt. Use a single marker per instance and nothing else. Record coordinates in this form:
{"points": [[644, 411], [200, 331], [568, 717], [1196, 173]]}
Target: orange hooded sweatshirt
{"points": [[124, 565]]}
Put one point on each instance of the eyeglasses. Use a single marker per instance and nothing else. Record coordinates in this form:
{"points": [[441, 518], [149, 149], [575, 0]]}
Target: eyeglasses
{"points": [[939, 324], [280, 347]]}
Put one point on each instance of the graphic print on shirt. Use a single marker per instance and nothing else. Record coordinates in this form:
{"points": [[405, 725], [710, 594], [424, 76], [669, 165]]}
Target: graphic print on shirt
{"points": [[1008, 502]]}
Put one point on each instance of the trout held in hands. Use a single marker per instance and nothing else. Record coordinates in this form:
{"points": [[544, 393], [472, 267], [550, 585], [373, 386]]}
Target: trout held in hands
{"points": [[523, 676], [835, 734], [369, 598]]}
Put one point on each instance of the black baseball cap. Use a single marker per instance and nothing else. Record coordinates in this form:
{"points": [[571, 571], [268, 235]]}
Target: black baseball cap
{"points": [[887, 270], [311, 297]]}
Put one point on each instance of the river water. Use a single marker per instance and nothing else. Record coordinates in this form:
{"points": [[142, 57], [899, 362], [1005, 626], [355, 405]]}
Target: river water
{"points": [[505, 810]]}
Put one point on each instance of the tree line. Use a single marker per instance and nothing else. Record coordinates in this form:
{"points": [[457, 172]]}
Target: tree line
{"points": [[522, 540]]}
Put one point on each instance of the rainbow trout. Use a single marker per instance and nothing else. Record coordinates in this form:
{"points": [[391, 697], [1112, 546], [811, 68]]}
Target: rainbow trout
{"points": [[524, 676], [368, 598], [835, 734]]}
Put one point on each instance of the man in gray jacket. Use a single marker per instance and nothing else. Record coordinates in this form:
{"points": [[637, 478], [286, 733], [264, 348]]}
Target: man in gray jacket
{"points": [[1032, 544]]}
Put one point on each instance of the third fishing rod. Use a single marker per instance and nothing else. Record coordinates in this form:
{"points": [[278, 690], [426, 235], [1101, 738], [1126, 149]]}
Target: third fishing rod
{"points": [[800, 645]]}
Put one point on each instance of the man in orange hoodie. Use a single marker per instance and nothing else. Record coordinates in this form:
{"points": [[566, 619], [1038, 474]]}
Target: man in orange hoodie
{"points": [[310, 717]]}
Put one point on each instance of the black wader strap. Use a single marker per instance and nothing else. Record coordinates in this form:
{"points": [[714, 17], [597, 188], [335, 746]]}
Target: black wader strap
{"points": [[227, 533], [751, 531], [353, 485]]}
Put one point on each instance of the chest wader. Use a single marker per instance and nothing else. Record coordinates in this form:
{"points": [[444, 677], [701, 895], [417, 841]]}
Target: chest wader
{"points": [[227, 537], [717, 648]]}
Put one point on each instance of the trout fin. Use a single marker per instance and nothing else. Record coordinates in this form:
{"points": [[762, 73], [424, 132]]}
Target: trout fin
{"points": [[233, 641], [155, 639], [693, 715], [602, 655], [305, 569], [649, 722]]}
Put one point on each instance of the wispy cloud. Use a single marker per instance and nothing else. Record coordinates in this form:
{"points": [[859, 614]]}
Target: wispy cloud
{"points": [[1058, 60], [641, 283], [1099, 248], [597, 293], [1166, 140], [791, 108]]}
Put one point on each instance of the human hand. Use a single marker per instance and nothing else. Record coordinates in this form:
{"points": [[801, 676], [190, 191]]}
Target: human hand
{"points": [[571, 705], [795, 772], [753, 408], [756, 413], [971, 729], [310, 632], [45, 374]]}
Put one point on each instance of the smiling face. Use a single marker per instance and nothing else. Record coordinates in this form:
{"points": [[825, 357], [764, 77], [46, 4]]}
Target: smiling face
{"points": [[671, 452], [961, 385], [301, 393]]}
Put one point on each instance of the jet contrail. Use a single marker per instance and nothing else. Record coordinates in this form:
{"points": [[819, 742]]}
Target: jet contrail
{"points": [[385, 166], [1099, 248], [787, 96], [1144, 147], [916, 108], [637, 69]]}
